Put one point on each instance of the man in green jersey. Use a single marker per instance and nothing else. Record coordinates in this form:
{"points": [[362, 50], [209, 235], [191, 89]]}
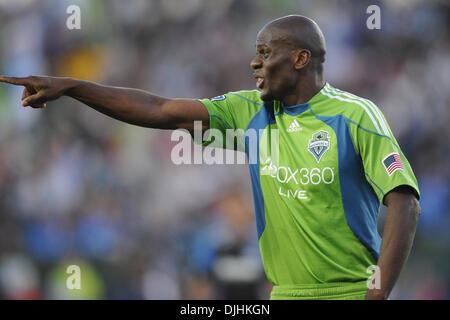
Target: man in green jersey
{"points": [[316, 200]]}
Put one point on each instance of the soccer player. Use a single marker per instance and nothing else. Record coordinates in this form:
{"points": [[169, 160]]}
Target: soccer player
{"points": [[317, 202]]}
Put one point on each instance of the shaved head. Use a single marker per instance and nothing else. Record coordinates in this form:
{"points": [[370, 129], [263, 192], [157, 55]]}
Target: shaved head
{"points": [[299, 32], [288, 66]]}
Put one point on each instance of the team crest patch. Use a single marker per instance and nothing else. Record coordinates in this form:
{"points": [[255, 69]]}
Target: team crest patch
{"points": [[319, 144], [218, 98]]}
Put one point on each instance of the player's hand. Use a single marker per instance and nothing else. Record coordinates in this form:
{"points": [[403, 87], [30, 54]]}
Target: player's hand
{"points": [[375, 294], [38, 89]]}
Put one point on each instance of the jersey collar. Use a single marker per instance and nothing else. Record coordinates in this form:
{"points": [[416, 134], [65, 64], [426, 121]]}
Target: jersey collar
{"points": [[300, 108]]}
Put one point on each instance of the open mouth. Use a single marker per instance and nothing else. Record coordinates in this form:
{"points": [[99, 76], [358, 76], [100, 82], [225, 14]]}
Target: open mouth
{"points": [[259, 83]]}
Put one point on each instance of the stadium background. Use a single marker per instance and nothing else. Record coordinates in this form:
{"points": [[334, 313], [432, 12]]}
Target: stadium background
{"points": [[79, 188]]}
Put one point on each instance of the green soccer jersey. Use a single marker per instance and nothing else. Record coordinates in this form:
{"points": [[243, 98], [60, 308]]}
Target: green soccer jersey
{"points": [[317, 195]]}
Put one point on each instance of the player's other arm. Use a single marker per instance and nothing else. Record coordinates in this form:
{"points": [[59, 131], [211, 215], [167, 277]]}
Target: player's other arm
{"points": [[133, 106], [398, 235]]}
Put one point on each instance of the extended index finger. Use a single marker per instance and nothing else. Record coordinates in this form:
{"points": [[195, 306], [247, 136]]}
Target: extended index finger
{"points": [[15, 80]]}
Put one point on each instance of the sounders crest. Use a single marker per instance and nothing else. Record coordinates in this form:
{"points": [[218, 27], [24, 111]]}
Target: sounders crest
{"points": [[319, 144]]}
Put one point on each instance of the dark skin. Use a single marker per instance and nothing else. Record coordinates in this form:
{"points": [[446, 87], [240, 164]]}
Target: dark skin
{"points": [[284, 70], [398, 236], [288, 65], [132, 106]]}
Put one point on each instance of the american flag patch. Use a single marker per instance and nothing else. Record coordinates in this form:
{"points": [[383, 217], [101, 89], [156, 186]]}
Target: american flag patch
{"points": [[393, 163]]}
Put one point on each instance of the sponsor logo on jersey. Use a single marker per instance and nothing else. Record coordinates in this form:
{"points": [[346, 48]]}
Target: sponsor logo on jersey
{"points": [[294, 127], [319, 144], [290, 179], [218, 98], [298, 176], [392, 163]]}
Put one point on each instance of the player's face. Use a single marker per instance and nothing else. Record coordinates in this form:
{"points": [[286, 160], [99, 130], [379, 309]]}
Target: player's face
{"points": [[273, 67]]}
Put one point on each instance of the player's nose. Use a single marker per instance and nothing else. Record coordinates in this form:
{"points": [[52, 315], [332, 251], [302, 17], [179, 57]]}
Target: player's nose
{"points": [[256, 63]]}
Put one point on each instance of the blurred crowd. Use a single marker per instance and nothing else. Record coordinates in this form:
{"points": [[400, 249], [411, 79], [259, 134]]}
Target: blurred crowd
{"points": [[79, 188]]}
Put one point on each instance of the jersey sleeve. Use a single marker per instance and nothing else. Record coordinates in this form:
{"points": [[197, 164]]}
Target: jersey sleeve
{"points": [[229, 115], [385, 165]]}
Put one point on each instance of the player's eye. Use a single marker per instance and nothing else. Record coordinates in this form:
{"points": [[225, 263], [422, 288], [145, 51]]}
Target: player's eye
{"points": [[264, 53]]}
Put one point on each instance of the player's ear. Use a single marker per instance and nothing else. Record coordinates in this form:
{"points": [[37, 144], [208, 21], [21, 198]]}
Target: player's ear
{"points": [[301, 58]]}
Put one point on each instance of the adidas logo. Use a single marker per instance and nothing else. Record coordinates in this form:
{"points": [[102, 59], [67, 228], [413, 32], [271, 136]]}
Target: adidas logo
{"points": [[294, 127]]}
